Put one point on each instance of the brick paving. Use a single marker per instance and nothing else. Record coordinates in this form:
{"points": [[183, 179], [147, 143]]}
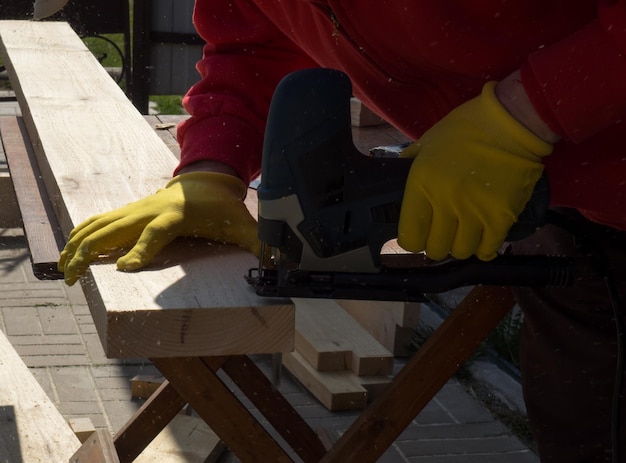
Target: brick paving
{"points": [[50, 326]]}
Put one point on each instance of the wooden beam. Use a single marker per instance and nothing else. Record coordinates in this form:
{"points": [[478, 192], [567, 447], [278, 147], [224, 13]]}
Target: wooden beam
{"points": [[147, 422], [374, 385], [31, 428], [82, 427], [96, 153], [197, 382], [423, 376], [98, 448], [186, 439], [143, 386], [390, 323], [275, 408], [362, 116], [336, 390], [41, 227], [330, 339]]}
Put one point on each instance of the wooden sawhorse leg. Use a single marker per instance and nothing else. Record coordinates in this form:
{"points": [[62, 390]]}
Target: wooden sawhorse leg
{"points": [[160, 408], [275, 408], [423, 376], [195, 381]]}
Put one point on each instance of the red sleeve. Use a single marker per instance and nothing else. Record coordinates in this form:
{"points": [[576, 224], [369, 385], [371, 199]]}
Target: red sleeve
{"points": [[578, 85], [244, 59]]}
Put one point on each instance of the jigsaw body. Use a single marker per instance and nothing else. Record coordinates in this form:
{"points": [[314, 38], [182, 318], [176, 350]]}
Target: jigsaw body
{"points": [[326, 209]]}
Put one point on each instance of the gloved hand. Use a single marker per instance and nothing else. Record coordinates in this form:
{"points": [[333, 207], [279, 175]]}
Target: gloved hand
{"points": [[472, 175], [197, 204]]}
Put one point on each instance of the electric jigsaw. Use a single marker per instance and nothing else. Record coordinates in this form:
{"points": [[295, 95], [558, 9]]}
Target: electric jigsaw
{"points": [[326, 210]]}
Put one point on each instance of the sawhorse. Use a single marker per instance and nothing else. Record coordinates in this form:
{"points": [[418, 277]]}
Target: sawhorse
{"points": [[195, 381]]}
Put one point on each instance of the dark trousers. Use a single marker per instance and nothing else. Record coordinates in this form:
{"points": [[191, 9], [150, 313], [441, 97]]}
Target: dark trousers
{"points": [[568, 358]]}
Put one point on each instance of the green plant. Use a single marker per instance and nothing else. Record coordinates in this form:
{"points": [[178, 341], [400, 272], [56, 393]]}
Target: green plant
{"points": [[108, 51], [168, 104], [106, 48]]}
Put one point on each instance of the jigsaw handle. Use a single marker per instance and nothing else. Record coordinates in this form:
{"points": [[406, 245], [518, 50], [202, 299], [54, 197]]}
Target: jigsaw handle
{"points": [[323, 201]]}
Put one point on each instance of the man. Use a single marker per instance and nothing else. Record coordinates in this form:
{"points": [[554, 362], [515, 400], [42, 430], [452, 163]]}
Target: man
{"points": [[493, 92]]}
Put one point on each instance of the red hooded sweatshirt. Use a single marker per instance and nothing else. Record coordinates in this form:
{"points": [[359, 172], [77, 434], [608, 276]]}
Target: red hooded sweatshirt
{"points": [[412, 61]]}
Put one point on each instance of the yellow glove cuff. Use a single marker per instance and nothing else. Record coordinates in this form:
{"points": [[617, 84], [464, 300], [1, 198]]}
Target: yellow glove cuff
{"points": [[233, 184], [494, 117], [507, 125]]}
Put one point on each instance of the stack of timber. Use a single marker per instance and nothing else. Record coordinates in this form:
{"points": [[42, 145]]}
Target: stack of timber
{"points": [[336, 358]]}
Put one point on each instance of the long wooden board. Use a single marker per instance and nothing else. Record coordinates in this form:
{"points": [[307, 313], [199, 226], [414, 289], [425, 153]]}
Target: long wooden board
{"points": [[96, 153], [31, 428], [41, 227]]}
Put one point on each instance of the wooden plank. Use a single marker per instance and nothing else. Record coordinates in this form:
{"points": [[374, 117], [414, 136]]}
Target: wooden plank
{"points": [[31, 428], [390, 323], [165, 126], [10, 217], [147, 422], [365, 138], [186, 439], [192, 299], [97, 153], [336, 390], [98, 448], [423, 376], [41, 228], [82, 427], [143, 386], [374, 385], [275, 408], [330, 339], [197, 382], [362, 116]]}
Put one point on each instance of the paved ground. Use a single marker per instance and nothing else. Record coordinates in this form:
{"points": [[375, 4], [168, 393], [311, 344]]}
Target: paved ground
{"points": [[50, 326]]}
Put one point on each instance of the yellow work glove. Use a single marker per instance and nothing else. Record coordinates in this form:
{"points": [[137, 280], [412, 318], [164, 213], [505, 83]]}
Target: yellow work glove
{"points": [[198, 204], [473, 173]]}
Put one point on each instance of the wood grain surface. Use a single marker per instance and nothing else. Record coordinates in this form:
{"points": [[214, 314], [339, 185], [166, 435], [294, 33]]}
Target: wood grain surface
{"points": [[96, 152]]}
